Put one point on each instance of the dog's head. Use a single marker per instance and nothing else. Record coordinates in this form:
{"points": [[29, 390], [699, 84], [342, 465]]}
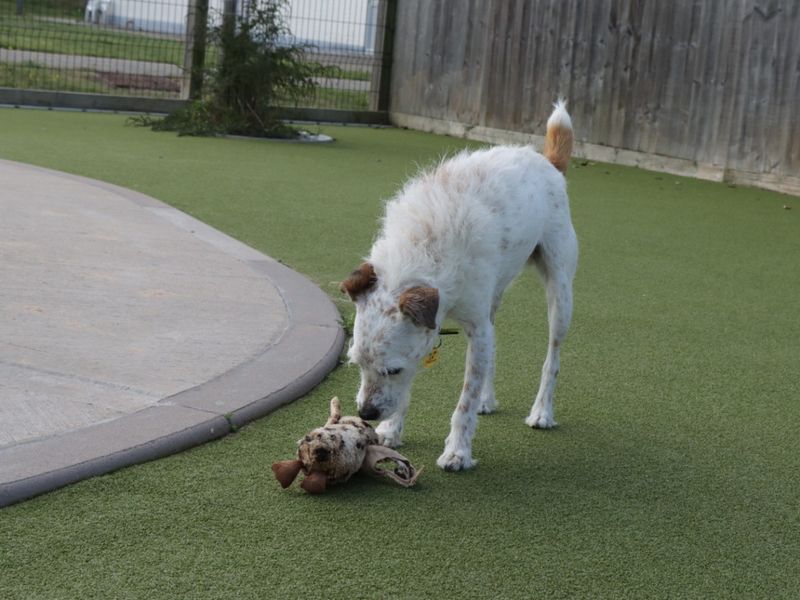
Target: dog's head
{"points": [[393, 330]]}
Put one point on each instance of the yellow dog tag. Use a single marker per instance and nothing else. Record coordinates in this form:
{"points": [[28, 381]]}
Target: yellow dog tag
{"points": [[431, 359]]}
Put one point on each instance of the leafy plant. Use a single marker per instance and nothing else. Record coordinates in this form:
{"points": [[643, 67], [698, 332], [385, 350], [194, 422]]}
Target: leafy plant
{"points": [[258, 69]]}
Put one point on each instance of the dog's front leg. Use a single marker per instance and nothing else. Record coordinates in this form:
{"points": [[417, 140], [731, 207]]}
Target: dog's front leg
{"points": [[457, 453], [390, 431]]}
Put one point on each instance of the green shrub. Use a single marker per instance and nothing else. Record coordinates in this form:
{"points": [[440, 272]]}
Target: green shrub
{"points": [[257, 70]]}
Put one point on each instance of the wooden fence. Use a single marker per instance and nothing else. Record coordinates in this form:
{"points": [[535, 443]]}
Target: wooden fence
{"points": [[703, 87]]}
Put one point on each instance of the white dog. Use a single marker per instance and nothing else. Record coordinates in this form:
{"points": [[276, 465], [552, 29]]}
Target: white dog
{"points": [[452, 241]]}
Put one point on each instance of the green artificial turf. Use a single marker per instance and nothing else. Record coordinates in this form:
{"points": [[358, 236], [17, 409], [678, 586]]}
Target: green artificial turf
{"points": [[674, 472]]}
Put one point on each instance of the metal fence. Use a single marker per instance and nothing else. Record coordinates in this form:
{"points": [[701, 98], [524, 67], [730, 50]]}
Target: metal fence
{"points": [[144, 48]]}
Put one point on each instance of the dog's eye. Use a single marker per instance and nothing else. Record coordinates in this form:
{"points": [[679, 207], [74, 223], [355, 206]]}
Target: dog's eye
{"points": [[394, 371]]}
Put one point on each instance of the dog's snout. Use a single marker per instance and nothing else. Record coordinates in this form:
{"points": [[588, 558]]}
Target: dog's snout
{"points": [[369, 413]]}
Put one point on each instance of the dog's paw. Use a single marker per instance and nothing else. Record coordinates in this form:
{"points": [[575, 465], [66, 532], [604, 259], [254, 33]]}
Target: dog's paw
{"points": [[540, 420], [391, 438], [487, 405], [456, 461]]}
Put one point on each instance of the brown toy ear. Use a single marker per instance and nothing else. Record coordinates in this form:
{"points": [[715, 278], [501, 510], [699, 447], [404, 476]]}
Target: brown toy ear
{"points": [[286, 471], [314, 483], [360, 281], [421, 304]]}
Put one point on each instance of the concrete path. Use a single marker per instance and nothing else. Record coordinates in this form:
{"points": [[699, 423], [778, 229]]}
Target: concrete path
{"points": [[129, 330], [138, 67], [90, 63]]}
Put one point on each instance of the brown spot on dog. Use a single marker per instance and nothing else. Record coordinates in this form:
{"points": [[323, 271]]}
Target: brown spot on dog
{"points": [[504, 244], [360, 281]]}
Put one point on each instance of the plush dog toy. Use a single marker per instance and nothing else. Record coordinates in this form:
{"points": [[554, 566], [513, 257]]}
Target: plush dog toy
{"points": [[333, 453]]}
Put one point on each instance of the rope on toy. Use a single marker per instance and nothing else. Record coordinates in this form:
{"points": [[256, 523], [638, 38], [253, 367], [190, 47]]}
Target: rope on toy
{"points": [[403, 473]]}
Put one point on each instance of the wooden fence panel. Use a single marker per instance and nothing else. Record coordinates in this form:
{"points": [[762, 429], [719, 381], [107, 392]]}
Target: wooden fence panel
{"points": [[712, 83]]}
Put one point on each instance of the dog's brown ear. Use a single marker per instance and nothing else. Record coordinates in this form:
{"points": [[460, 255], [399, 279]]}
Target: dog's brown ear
{"points": [[285, 471], [360, 281], [420, 304]]}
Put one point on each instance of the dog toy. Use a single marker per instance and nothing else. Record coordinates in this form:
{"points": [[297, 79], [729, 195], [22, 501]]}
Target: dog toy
{"points": [[333, 453]]}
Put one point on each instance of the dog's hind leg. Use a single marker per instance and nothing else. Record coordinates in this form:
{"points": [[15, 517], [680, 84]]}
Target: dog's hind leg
{"points": [[556, 265], [457, 453]]}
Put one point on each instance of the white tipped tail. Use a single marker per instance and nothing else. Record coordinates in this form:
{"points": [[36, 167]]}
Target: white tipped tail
{"points": [[558, 140]]}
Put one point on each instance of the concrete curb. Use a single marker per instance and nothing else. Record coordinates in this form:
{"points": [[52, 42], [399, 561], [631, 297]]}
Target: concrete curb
{"points": [[305, 353]]}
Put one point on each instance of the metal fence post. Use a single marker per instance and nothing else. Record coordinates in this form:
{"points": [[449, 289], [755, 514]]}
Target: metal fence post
{"points": [[229, 16], [381, 80], [194, 56]]}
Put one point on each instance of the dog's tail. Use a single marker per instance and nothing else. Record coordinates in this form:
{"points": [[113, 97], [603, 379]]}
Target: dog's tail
{"points": [[558, 140]]}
